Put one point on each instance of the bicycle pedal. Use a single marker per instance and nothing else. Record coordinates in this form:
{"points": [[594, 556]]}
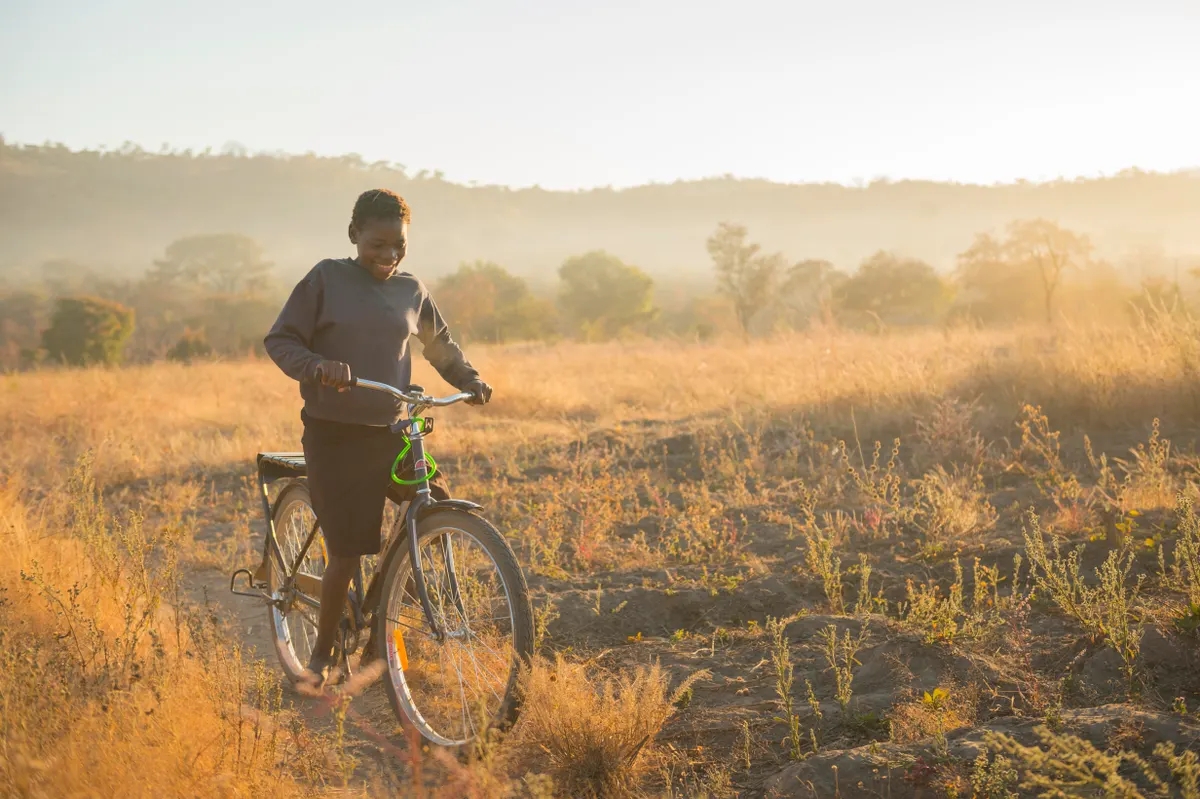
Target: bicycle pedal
{"points": [[253, 589]]}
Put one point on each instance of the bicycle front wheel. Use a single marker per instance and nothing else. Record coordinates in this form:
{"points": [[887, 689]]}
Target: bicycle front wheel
{"points": [[452, 689]]}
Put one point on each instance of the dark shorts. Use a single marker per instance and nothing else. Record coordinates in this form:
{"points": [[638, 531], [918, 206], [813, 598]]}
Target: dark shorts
{"points": [[349, 478]]}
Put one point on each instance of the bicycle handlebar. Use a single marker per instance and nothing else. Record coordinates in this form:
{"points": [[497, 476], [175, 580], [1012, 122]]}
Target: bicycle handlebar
{"points": [[415, 399]]}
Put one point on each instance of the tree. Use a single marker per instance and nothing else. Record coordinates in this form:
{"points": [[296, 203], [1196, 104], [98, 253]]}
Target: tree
{"points": [[190, 346], [894, 289], [701, 317], [1049, 250], [233, 325], [88, 330], [1022, 274], [22, 317], [808, 290], [483, 301], [995, 288], [745, 276], [603, 297], [225, 263]]}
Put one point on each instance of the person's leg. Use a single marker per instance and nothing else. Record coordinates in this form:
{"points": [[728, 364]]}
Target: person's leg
{"points": [[335, 583], [344, 498], [438, 490]]}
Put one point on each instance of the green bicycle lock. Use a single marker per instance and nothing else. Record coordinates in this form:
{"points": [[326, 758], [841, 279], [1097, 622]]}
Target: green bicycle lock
{"points": [[396, 478]]}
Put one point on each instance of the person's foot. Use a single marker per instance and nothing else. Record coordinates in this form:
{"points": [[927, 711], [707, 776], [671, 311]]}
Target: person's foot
{"points": [[322, 670]]}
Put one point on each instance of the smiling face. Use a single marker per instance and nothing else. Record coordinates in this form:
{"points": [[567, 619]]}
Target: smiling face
{"points": [[382, 244]]}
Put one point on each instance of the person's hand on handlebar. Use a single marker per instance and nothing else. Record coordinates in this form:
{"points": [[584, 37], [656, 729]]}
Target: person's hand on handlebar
{"points": [[333, 373], [481, 390]]}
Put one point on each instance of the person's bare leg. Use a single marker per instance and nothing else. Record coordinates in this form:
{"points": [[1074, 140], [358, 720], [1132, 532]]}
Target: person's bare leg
{"points": [[335, 583]]}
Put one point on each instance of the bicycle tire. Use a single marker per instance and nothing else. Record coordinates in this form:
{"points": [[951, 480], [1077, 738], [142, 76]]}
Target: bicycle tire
{"points": [[399, 579], [292, 662]]}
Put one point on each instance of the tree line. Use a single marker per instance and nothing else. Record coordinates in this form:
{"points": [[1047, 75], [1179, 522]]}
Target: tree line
{"points": [[1034, 271], [123, 205], [217, 294]]}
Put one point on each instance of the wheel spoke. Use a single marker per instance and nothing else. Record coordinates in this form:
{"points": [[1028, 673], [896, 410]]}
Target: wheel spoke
{"points": [[468, 720], [475, 664], [422, 630], [295, 630]]}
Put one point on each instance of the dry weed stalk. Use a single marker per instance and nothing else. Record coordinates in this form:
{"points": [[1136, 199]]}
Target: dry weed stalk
{"points": [[1183, 574], [1066, 766], [781, 658], [1107, 610], [952, 618], [840, 659], [824, 563]]}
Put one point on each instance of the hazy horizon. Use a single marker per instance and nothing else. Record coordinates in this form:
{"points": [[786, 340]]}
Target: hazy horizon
{"points": [[568, 96], [238, 150]]}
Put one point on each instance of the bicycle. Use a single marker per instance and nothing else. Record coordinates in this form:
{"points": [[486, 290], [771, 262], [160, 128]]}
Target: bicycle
{"points": [[432, 579]]}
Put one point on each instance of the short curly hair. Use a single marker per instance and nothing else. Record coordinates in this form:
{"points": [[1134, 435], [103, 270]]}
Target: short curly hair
{"points": [[379, 204]]}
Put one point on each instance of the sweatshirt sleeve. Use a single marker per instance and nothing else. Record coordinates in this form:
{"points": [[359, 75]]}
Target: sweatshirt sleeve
{"points": [[289, 342], [440, 348]]}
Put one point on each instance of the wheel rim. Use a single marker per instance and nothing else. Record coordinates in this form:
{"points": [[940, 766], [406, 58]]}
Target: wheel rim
{"points": [[453, 688], [296, 629]]}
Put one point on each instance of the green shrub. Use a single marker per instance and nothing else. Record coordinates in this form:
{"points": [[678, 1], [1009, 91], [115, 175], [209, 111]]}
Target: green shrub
{"points": [[88, 330], [484, 302], [191, 345], [602, 297]]}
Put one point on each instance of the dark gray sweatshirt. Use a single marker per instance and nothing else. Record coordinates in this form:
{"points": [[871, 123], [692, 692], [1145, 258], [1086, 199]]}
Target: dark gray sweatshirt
{"points": [[342, 312]]}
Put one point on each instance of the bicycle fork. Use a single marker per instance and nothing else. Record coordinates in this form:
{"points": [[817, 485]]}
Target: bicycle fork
{"points": [[421, 472]]}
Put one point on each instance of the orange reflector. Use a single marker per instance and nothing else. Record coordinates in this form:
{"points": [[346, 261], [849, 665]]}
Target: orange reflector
{"points": [[400, 650]]}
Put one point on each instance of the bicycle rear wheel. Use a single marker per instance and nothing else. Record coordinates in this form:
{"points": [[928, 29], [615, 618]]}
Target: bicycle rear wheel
{"points": [[294, 627], [452, 689]]}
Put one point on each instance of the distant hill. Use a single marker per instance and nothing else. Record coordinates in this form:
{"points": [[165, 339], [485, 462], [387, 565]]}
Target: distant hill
{"points": [[120, 209]]}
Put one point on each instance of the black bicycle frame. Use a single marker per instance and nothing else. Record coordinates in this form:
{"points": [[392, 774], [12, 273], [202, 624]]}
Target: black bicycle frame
{"points": [[416, 437], [272, 543], [415, 432], [422, 499]]}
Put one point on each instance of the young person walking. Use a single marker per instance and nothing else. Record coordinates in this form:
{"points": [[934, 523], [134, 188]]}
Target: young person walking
{"points": [[355, 316]]}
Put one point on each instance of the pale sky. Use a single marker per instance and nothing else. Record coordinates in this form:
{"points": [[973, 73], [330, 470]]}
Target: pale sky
{"points": [[572, 94]]}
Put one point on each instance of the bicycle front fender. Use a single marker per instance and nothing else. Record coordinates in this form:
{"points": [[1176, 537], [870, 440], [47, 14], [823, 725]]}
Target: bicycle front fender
{"points": [[403, 542], [441, 505]]}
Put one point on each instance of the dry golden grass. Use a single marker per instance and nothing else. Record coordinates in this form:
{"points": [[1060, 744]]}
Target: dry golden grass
{"points": [[590, 729], [176, 420], [107, 691], [102, 684]]}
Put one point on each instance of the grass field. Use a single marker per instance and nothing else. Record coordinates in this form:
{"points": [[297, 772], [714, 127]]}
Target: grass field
{"points": [[820, 565]]}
